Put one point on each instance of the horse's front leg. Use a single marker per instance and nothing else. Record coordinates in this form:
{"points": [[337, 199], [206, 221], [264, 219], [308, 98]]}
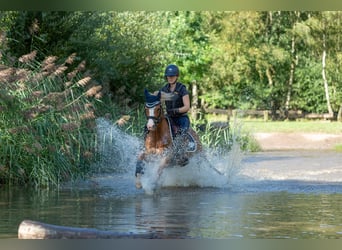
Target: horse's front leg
{"points": [[163, 164], [139, 170]]}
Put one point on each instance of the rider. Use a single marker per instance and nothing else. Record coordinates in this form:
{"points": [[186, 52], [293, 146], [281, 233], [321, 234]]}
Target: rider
{"points": [[177, 108], [177, 111]]}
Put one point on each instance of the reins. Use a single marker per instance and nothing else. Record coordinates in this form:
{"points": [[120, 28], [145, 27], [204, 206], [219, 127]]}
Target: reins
{"points": [[156, 119]]}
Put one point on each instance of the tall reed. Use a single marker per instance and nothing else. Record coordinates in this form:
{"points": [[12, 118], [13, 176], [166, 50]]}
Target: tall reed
{"points": [[47, 120]]}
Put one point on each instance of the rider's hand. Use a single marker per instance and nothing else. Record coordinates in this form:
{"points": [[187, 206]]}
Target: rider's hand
{"points": [[173, 112]]}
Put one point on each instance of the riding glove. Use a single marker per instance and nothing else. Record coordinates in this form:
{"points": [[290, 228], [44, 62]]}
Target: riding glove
{"points": [[173, 111]]}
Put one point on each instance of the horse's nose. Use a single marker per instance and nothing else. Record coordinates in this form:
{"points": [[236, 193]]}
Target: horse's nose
{"points": [[150, 124]]}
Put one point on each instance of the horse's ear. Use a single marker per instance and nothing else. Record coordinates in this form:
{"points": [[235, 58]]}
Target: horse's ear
{"points": [[152, 98], [146, 92]]}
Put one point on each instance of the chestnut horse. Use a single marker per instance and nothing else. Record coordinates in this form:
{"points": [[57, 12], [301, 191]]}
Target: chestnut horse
{"points": [[160, 138]]}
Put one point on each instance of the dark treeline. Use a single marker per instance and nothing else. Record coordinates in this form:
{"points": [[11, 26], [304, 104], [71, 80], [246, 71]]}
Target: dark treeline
{"points": [[246, 60]]}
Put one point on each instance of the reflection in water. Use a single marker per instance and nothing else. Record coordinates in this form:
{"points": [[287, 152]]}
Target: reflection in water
{"points": [[180, 212], [265, 195]]}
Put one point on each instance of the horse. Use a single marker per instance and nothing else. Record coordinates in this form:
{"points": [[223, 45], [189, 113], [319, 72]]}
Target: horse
{"points": [[161, 138]]}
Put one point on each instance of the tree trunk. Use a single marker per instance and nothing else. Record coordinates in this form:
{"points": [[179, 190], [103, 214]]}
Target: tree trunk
{"points": [[326, 87], [194, 104], [294, 61], [339, 114], [292, 69], [270, 83], [36, 230]]}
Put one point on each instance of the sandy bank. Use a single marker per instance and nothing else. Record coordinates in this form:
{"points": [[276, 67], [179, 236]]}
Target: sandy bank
{"points": [[293, 141]]}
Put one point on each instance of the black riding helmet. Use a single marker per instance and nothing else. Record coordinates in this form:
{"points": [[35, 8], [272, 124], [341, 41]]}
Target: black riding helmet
{"points": [[171, 70]]}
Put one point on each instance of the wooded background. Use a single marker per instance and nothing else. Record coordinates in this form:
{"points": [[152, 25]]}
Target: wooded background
{"points": [[262, 60]]}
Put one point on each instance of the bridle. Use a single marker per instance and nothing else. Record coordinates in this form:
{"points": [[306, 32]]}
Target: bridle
{"points": [[149, 106]]}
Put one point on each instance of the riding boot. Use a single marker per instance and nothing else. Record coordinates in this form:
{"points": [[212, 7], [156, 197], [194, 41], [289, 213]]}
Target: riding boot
{"points": [[181, 145]]}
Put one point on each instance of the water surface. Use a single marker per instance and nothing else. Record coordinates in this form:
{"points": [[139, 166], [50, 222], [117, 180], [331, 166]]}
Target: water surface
{"points": [[268, 195], [295, 195]]}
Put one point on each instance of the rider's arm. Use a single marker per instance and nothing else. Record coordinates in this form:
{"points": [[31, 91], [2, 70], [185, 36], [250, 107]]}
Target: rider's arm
{"points": [[186, 102]]}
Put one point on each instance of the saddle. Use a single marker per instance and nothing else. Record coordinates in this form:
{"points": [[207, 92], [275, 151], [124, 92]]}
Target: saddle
{"points": [[191, 144]]}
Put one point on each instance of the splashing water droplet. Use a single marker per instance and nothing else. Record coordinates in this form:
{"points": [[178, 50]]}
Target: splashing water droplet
{"points": [[118, 154], [117, 150]]}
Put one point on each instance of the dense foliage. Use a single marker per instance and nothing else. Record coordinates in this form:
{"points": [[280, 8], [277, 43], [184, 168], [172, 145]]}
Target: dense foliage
{"points": [[275, 60], [240, 60]]}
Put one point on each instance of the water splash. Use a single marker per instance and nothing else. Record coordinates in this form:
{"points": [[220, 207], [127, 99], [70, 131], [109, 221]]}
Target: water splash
{"points": [[118, 153], [211, 168], [117, 150]]}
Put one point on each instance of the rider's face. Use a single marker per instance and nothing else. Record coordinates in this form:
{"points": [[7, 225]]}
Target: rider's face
{"points": [[171, 79]]}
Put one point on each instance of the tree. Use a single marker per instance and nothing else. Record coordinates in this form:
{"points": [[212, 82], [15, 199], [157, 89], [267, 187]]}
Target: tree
{"points": [[278, 60], [325, 28], [232, 82], [123, 48], [189, 45]]}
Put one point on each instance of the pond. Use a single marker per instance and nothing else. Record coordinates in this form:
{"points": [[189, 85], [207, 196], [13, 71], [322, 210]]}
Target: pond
{"points": [[266, 195], [295, 195]]}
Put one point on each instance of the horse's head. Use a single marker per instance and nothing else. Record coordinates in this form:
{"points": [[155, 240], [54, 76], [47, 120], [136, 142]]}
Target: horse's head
{"points": [[153, 110]]}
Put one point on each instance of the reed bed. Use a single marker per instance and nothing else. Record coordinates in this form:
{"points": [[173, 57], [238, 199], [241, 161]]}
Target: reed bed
{"points": [[222, 136], [47, 120]]}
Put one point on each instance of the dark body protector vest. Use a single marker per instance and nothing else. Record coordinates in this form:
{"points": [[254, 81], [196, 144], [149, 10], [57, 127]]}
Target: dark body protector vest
{"points": [[180, 91]]}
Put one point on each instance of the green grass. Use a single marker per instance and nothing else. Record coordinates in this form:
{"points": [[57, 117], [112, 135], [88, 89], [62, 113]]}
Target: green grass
{"points": [[305, 126], [293, 126], [338, 148], [249, 126]]}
